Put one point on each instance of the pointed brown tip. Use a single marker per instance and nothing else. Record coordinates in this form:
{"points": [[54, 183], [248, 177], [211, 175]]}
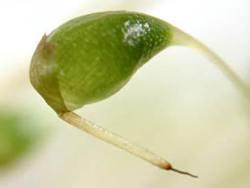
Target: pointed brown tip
{"points": [[184, 173]]}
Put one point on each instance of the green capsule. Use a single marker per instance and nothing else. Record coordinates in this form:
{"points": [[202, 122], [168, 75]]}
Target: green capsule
{"points": [[92, 57]]}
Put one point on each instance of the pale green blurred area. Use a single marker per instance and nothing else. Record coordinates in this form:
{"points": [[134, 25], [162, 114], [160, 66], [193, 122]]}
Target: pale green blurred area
{"points": [[178, 105]]}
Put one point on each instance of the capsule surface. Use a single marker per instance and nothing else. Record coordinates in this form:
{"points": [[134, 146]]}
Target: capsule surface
{"points": [[91, 57]]}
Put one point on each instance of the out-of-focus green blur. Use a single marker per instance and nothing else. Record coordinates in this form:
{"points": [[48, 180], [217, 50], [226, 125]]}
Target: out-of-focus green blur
{"points": [[179, 104], [17, 135]]}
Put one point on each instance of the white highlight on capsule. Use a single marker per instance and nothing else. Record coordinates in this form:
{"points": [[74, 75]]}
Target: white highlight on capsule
{"points": [[134, 31]]}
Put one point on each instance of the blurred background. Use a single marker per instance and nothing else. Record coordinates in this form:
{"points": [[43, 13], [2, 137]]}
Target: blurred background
{"points": [[179, 104]]}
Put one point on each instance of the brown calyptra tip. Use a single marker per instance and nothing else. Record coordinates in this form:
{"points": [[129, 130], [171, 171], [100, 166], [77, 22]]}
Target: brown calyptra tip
{"points": [[169, 167], [184, 173]]}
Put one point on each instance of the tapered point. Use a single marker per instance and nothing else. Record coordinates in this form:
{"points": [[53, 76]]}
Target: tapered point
{"points": [[184, 173], [167, 166]]}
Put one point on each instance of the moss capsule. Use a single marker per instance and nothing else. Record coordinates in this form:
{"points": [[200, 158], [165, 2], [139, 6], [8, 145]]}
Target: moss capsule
{"points": [[91, 57]]}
